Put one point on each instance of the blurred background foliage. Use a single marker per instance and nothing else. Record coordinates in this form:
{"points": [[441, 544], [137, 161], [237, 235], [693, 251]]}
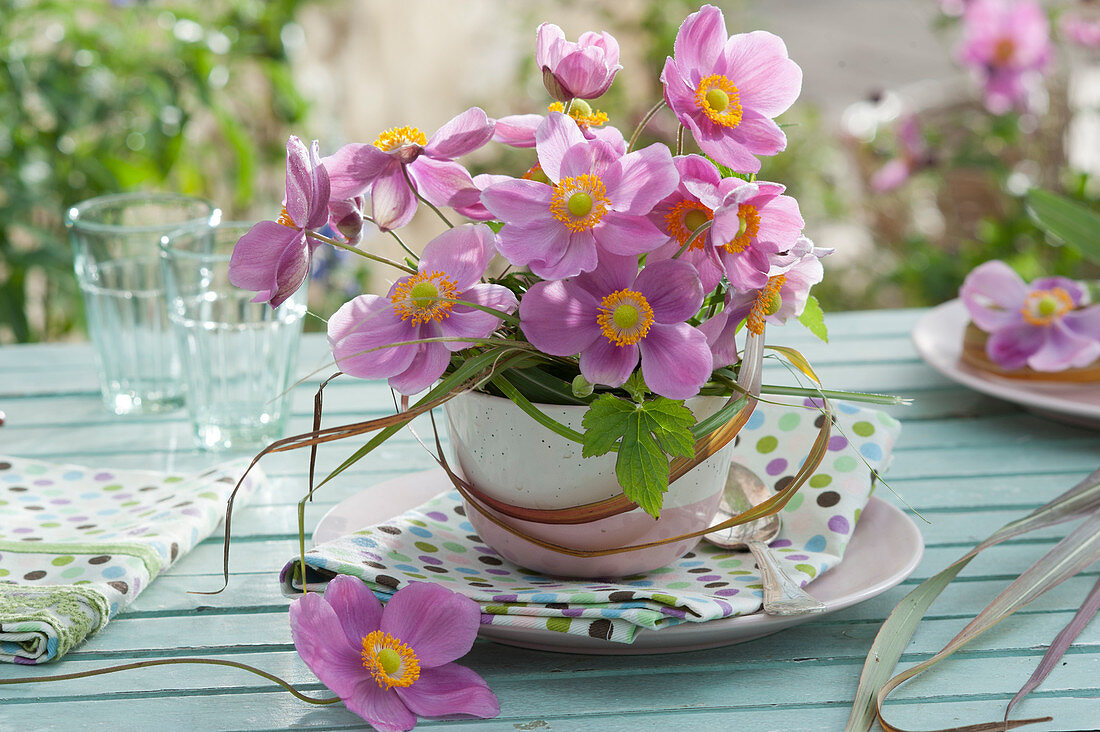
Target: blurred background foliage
{"points": [[98, 97]]}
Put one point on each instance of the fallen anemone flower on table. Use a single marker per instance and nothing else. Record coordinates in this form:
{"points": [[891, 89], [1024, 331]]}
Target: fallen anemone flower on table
{"points": [[390, 665]]}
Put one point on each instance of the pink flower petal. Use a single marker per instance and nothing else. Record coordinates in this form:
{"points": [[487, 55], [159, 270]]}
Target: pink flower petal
{"points": [[382, 708], [720, 331], [438, 624], [353, 168], [256, 256], [608, 135], [467, 322], [1084, 322], [760, 135], [450, 689], [291, 271], [1076, 290], [584, 73], [767, 81], [748, 270], [1063, 349], [517, 130], [676, 360], [428, 364], [679, 96], [725, 149], [356, 607], [1011, 347], [461, 253], [563, 254], [993, 294], [700, 178], [605, 363], [558, 319], [364, 324], [890, 176], [700, 40], [549, 39], [518, 202], [625, 234], [299, 193], [440, 181], [638, 180], [393, 203], [461, 135], [781, 222], [577, 160], [672, 289], [324, 647], [556, 134]]}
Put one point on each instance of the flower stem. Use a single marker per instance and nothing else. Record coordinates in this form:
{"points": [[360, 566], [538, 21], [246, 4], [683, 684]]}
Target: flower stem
{"points": [[691, 239], [400, 242], [645, 121], [680, 140], [360, 252], [429, 204]]}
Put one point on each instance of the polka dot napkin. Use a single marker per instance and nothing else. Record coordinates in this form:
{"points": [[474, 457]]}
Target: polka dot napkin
{"points": [[78, 544], [435, 542]]}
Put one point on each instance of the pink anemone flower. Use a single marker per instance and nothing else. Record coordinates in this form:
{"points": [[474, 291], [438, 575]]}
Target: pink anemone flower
{"points": [[596, 201], [518, 130], [781, 298], [727, 89], [614, 315], [752, 229], [1044, 325], [381, 168], [581, 70], [363, 332], [390, 665], [913, 155], [273, 257], [1008, 46], [346, 218], [1081, 25]]}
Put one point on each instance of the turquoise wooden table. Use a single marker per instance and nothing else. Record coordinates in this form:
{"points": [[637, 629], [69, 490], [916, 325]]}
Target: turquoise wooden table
{"points": [[968, 463]]}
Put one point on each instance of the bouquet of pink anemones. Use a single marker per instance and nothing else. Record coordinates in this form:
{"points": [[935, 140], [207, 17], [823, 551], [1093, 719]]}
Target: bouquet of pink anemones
{"points": [[627, 275]]}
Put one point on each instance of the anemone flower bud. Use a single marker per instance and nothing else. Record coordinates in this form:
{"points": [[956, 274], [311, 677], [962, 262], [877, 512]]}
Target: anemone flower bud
{"points": [[581, 70]]}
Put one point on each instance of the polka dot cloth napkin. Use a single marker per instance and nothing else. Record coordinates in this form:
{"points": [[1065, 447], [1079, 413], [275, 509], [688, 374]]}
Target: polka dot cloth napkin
{"points": [[78, 544], [436, 543]]}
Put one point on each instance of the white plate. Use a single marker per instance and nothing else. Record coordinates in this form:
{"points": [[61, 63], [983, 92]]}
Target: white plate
{"points": [[938, 338], [885, 549]]}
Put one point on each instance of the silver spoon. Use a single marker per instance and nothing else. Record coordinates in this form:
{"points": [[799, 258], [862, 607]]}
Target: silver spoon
{"points": [[782, 594]]}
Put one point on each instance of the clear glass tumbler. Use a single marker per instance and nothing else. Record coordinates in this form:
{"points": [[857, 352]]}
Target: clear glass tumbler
{"points": [[116, 257], [238, 356]]}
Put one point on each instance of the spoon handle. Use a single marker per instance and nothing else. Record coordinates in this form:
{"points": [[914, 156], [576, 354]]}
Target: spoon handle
{"points": [[782, 594]]}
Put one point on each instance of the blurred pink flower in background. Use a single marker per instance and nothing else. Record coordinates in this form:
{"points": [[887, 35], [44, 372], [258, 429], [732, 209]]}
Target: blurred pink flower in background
{"points": [[581, 70], [912, 155], [1007, 45], [1081, 25]]}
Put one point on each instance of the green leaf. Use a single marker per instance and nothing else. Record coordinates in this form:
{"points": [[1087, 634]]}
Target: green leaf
{"points": [[727, 172], [604, 424], [814, 319], [647, 435], [496, 226], [1075, 224]]}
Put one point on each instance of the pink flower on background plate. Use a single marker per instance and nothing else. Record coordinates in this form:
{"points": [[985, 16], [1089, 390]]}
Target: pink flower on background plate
{"points": [[752, 229], [390, 665], [518, 130], [1007, 45], [380, 168], [781, 298], [596, 202], [581, 70], [727, 89], [912, 155], [273, 257], [615, 315], [1044, 325], [361, 334]]}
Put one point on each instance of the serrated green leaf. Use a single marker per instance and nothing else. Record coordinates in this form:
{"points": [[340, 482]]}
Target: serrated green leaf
{"points": [[642, 467], [671, 423], [604, 424], [813, 317], [1072, 222]]}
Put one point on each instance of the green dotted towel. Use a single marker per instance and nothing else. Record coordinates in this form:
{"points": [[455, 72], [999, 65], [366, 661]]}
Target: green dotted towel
{"points": [[78, 544]]}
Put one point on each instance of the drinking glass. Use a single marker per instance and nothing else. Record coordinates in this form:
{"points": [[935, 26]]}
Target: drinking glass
{"points": [[115, 254], [238, 356]]}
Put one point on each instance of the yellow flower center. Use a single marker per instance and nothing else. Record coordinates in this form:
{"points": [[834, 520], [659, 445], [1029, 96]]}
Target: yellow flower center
{"points": [[719, 99], [767, 302], [1043, 307], [285, 220], [579, 202], [417, 298], [625, 317], [1003, 50], [684, 218], [396, 137], [390, 662], [536, 173], [582, 112], [746, 231]]}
